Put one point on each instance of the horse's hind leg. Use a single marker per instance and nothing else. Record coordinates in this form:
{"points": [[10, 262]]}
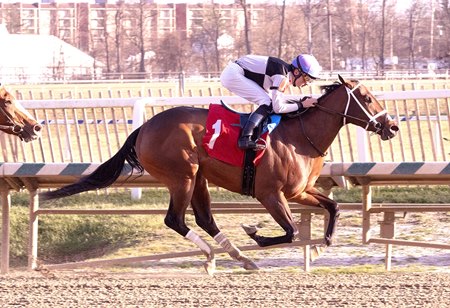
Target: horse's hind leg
{"points": [[201, 205], [175, 219]]}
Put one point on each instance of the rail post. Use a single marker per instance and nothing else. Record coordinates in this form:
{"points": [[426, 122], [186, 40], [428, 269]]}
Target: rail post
{"points": [[6, 205], [33, 230], [138, 120]]}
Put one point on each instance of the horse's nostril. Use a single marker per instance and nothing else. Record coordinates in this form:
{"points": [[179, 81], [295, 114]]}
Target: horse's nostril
{"points": [[394, 128], [37, 128], [17, 129]]}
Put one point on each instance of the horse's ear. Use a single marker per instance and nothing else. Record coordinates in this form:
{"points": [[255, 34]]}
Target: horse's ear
{"points": [[341, 79]]}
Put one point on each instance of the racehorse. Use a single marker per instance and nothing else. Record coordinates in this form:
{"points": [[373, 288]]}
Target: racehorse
{"points": [[169, 147], [15, 120]]}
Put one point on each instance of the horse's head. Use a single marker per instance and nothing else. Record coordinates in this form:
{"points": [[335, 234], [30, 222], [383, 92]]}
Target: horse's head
{"points": [[15, 120], [363, 109]]}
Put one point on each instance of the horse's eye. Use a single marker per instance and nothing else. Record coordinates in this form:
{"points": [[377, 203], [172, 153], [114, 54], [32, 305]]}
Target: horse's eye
{"points": [[367, 99]]}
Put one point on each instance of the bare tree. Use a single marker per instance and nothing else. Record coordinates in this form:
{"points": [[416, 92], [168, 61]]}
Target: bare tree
{"points": [[205, 37], [414, 13], [106, 38], [443, 25], [138, 35], [364, 22], [382, 34], [243, 4], [118, 34], [171, 54], [280, 37]]}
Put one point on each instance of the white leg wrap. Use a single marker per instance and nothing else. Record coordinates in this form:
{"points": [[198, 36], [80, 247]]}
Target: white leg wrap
{"points": [[227, 245], [197, 240]]}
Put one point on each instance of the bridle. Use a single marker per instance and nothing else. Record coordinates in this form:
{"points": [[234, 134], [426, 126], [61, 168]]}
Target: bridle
{"points": [[371, 119], [15, 128]]}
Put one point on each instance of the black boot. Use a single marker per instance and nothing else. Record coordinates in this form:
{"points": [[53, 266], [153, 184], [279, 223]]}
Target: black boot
{"points": [[245, 140]]}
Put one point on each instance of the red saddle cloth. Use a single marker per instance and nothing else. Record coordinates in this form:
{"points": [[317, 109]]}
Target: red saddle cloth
{"points": [[222, 133]]}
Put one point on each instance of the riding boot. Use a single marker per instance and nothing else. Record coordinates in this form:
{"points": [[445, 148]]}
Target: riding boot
{"points": [[256, 117]]}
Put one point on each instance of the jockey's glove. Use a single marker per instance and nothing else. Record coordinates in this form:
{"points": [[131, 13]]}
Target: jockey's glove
{"points": [[300, 103]]}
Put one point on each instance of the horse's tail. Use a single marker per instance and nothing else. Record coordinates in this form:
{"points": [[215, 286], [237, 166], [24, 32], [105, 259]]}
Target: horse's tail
{"points": [[105, 175]]}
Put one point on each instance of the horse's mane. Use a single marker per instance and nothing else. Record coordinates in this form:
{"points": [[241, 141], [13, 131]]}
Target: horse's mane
{"points": [[328, 89]]}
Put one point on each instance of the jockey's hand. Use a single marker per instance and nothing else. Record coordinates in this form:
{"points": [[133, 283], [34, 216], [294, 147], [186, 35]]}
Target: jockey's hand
{"points": [[308, 102]]}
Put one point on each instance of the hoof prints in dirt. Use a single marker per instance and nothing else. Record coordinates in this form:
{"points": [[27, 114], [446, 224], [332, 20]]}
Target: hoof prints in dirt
{"points": [[257, 289]]}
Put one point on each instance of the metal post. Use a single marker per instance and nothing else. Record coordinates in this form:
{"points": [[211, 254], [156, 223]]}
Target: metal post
{"points": [[362, 144], [305, 234], [367, 204], [33, 230], [138, 120], [387, 230], [6, 205]]}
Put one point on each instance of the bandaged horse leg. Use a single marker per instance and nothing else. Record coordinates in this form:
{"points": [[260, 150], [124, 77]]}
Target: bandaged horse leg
{"points": [[210, 264], [180, 197], [234, 252], [201, 205]]}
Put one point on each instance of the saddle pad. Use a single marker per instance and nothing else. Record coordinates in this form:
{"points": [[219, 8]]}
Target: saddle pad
{"points": [[222, 133]]}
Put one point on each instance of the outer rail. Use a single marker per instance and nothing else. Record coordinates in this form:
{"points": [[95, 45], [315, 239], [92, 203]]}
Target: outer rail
{"points": [[34, 176]]}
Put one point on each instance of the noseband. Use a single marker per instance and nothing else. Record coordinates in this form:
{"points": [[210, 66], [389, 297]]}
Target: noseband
{"points": [[15, 128]]}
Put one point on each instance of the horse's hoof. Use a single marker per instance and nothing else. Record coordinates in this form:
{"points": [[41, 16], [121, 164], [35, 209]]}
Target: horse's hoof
{"points": [[316, 251], [210, 267], [250, 229], [249, 265]]}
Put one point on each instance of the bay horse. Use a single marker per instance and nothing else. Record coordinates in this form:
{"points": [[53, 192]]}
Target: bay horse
{"points": [[15, 120], [169, 147]]}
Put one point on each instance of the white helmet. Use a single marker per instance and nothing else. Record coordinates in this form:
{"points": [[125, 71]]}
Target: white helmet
{"points": [[308, 64]]}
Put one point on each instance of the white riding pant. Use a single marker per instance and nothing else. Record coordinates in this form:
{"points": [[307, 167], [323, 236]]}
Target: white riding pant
{"points": [[233, 79]]}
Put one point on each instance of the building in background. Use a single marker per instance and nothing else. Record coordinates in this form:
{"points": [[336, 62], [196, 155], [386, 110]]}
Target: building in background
{"points": [[82, 23], [143, 39], [109, 30]]}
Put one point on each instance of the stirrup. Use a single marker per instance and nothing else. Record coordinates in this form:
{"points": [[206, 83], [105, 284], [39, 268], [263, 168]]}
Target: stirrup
{"points": [[260, 146], [249, 144]]}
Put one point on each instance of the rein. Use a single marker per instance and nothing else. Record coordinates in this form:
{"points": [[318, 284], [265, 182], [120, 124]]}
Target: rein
{"points": [[322, 154], [345, 116]]}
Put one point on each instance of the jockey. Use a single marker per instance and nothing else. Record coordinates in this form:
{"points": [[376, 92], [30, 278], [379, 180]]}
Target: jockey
{"points": [[262, 80]]}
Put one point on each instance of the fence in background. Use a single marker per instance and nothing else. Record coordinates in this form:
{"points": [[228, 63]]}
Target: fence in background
{"points": [[92, 130], [34, 176], [83, 131]]}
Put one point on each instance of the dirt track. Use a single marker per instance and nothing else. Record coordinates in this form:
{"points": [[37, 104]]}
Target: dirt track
{"points": [[281, 282], [285, 288]]}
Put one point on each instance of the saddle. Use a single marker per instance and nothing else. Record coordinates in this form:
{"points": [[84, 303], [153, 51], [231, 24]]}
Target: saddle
{"points": [[249, 167]]}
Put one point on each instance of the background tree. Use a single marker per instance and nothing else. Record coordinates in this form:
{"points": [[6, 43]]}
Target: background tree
{"points": [[358, 33], [280, 37], [247, 22]]}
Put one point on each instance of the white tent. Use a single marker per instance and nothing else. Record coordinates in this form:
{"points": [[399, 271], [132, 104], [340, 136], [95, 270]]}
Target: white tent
{"points": [[37, 58]]}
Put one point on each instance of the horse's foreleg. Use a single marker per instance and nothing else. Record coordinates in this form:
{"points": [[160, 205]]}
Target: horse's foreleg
{"points": [[278, 208], [201, 204], [316, 198], [235, 252]]}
